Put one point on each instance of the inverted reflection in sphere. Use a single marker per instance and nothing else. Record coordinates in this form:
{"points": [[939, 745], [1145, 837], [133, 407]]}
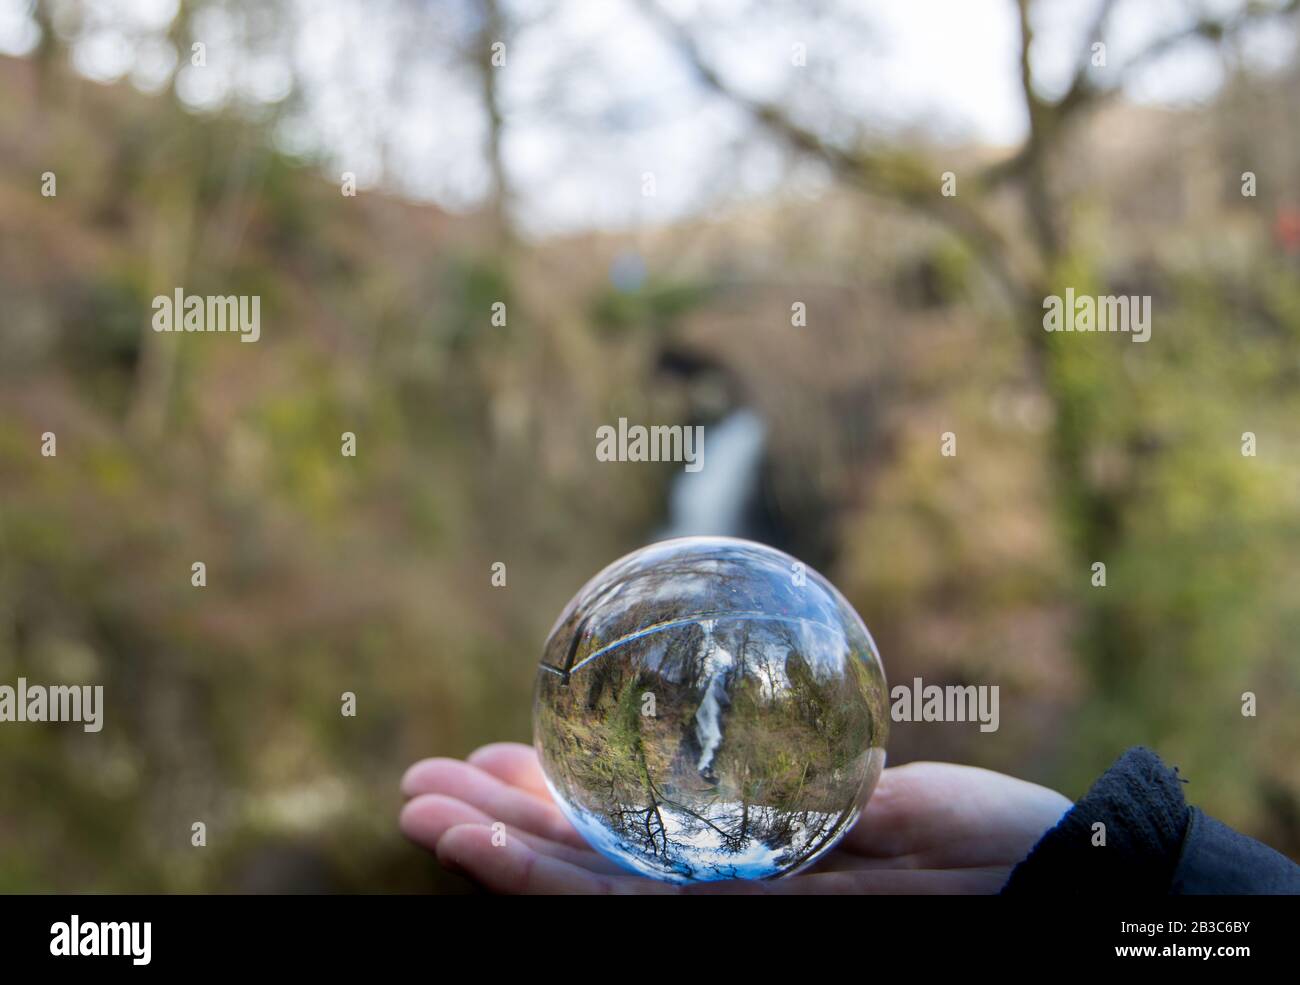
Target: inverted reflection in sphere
{"points": [[707, 708]]}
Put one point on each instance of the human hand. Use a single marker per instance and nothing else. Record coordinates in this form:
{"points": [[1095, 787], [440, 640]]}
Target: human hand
{"points": [[928, 828]]}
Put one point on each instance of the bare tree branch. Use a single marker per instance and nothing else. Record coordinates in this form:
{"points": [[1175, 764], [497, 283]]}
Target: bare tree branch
{"points": [[1084, 95], [898, 176]]}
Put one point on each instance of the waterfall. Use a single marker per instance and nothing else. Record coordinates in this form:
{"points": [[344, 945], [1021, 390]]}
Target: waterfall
{"points": [[708, 719], [713, 501]]}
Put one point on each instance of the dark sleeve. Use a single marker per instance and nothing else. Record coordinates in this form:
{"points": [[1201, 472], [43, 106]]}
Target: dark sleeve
{"points": [[1154, 843]]}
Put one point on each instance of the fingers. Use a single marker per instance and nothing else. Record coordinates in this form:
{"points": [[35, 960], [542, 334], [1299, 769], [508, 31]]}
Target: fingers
{"points": [[908, 840], [427, 817], [514, 867], [513, 763], [498, 800], [455, 805]]}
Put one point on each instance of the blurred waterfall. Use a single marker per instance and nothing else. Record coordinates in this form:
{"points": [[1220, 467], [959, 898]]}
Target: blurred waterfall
{"points": [[716, 499]]}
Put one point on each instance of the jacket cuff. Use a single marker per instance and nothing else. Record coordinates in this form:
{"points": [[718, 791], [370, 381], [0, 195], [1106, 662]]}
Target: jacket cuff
{"points": [[1216, 859], [1139, 801]]}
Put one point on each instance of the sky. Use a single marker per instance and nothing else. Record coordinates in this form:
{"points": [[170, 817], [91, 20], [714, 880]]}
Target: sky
{"points": [[596, 101]]}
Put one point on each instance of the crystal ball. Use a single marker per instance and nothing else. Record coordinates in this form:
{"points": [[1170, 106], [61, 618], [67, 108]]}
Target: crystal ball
{"points": [[710, 708]]}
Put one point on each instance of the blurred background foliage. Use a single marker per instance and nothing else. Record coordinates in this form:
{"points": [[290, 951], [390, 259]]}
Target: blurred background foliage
{"points": [[475, 442]]}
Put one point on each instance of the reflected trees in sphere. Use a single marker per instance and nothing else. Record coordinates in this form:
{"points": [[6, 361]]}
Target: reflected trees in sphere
{"points": [[708, 708]]}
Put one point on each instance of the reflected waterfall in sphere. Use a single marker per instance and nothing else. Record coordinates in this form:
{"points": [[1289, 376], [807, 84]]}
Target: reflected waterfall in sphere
{"points": [[708, 720]]}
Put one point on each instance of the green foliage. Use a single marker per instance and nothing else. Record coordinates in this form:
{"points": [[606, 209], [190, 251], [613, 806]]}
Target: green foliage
{"points": [[654, 306]]}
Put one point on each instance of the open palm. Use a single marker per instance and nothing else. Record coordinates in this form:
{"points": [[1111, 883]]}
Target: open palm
{"points": [[928, 828]]}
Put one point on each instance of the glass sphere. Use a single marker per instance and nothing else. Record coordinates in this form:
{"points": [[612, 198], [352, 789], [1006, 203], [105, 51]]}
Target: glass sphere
{"points": [[710, 708]]}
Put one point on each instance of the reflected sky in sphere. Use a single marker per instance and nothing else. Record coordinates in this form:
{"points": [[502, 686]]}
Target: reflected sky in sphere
{"points": [[708, 708]]}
